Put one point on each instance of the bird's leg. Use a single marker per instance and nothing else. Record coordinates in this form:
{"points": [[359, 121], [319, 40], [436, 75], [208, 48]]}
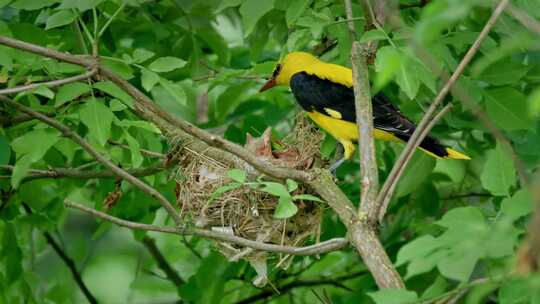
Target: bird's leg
{"points": [[336, 165]]}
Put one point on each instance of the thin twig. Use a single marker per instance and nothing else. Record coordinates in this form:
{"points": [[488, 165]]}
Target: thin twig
{"points": [[283, 289], [466, 195], [525, 19], [469, 102], [323, 247], [143, 151], [106, 162], [49, 84], [81, 174], [106, 25], [67, 260], [161, 261], [389, 186], [350, 20]]}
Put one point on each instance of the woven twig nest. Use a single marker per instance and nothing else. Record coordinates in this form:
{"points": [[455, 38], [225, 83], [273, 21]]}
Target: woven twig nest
{"points": [[248, 212]]}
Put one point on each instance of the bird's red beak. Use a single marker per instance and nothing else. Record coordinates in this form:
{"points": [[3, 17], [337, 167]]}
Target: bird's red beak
{"points": [[268, 85]]}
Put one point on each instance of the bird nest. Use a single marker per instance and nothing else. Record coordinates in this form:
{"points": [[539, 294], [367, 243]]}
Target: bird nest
{"points": [[246, 211]]}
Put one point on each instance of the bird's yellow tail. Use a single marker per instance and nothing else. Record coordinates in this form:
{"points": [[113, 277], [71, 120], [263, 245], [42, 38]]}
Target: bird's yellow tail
{"points": [[453, 154]]}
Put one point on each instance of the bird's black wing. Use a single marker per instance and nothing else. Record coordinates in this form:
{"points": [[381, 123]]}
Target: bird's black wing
{"points": [[314, 93]]}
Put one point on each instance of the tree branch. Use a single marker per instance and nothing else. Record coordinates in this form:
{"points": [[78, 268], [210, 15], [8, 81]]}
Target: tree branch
{"points": [[67, 260], [283, 289], [525, 19], [362, 231], [81, 174], [369, 174], [389, 186], [323, 247], [143, 151], [50, 84], [161, 261], [106, 162]]}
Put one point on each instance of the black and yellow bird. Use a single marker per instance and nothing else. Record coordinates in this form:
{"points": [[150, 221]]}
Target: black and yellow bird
{"points": [[325, 91]]}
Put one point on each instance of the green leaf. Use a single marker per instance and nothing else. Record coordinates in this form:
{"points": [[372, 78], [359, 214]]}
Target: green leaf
{"points": [[463, 218], [98, 119], [135, 149], [116, 105], [20, 170], [253, 10], [221, 190], [295, 10], [373, 35], [237, 175], [70, 91], [32, 4], [453, 168], [407, 78], [499, 173], [393, 296], [60, 18], [307, 197], [519, 205], [11, 254], [81, 5], [534, 102], [5, 151], [175, 90], [504, 72], [508, 107], [226, 4], [148, 79], [113, 90], [141, 124], [276, 189], [285, 208], [141, 55], [418, 169], [35, 143], [291, 185], [387, 64], [436, 289], [417, 248], [328, 146], [43, 91], [166, 64], [459, 266]]}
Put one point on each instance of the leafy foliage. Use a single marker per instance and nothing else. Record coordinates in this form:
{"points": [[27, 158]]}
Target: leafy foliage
{"points": [[453, 226]]}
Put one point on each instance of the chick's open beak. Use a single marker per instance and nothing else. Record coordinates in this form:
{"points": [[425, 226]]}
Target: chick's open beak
{"points": [[269, 84]]}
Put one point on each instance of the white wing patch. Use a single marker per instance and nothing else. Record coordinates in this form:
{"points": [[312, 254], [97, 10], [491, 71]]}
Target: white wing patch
{"points": [[333, 113]]}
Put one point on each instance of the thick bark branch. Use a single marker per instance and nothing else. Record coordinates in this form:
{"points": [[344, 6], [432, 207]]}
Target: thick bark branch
{"points": [[369, 174], [361, 229]]}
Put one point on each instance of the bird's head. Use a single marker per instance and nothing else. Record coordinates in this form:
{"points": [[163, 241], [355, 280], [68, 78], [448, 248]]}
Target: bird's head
{"points": [[291, 64]]}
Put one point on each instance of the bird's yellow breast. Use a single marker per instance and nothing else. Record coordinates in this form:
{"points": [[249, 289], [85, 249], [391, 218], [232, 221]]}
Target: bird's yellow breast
{"points": [[344, 130]]}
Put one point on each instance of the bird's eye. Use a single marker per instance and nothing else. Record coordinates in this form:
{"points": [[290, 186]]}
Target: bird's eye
{"points": [[276, 70]]}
